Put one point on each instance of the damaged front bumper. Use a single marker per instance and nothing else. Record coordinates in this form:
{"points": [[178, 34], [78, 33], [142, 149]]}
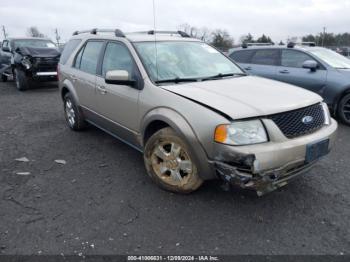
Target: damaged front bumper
{"points": [[269, 166]]}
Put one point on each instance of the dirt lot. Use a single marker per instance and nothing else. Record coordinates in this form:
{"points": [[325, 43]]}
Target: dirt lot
{"points": [[102, 202]]}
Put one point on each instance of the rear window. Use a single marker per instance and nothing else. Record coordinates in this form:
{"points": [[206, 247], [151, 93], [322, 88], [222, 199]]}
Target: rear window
{"points": [[90, 56], [68, 50], [266, 57], [242, 56]]}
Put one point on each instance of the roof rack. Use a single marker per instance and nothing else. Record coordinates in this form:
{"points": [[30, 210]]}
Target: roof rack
{"points": [[293, 44], [152, 32], [246, 45], [94, 31]]}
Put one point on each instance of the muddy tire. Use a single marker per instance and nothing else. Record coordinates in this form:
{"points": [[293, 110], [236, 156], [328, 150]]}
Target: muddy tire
{"points": [[169, 162], [344, 109], [74, 117], [21, 80]]}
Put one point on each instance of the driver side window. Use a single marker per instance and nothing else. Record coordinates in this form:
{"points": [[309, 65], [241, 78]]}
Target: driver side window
{"points": [[292, 58], [117, 57]]}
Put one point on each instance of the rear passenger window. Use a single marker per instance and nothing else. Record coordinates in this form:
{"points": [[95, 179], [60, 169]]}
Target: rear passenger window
{"points": [[90, 55], [117, 57], [242, 56], [68, 50], [292, 58], [265, 57]]}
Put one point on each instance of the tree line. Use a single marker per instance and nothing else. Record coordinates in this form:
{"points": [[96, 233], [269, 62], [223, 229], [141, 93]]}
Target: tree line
{"points": [[329, 39], [222, 39]]}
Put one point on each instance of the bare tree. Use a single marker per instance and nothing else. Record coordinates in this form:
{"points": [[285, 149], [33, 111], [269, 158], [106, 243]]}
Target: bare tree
{"points": [[33, 31], [222, 40], [202, 33]]}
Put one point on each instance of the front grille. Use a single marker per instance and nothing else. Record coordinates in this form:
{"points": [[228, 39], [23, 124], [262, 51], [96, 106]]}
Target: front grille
{"points": [[292, 125], [46, 64]]}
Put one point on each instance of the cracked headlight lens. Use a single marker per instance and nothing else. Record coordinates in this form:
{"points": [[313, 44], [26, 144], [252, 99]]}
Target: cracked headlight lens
{"points": [[241, 133]]}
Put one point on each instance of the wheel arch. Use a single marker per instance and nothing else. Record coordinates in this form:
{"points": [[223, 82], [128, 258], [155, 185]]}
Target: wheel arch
{"points": [[67, 87], [345, 91], [165, 117]]}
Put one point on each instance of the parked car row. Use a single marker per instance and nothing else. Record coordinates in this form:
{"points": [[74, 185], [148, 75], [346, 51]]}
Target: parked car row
{"points": [[194, 113]]}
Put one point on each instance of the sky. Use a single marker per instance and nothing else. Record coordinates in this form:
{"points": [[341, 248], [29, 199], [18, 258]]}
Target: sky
{"points": [[279, 19]]}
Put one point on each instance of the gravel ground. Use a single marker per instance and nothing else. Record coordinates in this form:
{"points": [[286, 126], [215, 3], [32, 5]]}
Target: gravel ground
{"points": [[102, 202]]}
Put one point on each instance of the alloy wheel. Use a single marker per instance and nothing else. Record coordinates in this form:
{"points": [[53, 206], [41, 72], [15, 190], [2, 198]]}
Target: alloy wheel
{"points": [[70, 113], [346, 110], [171, 163]]}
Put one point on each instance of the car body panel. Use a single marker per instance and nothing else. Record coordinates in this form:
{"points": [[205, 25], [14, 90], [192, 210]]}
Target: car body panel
{"points": [[222, 94], [328, 82]]}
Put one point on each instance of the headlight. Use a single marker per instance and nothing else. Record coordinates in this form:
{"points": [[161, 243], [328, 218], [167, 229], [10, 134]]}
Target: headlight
{"points": [[26, 62], [327, 115], [241, 133]]}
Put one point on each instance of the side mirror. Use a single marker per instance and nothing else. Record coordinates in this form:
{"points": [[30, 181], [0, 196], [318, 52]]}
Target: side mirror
{"points": [[310, 64], [119, 77], [6, 49]]}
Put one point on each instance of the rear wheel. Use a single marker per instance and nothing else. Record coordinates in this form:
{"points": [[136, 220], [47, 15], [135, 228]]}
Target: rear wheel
{"points": [[21, 80], [170, 164], [344, 109], [74, 118]]}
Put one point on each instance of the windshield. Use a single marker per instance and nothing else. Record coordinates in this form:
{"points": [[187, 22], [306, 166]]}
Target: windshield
{"points": [[332, 58], [184, 60], [36, 43]]}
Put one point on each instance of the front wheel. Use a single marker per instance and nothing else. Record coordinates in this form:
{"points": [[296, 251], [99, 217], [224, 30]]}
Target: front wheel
{"points": [[170, 164], [344, 109], [21, 80]]}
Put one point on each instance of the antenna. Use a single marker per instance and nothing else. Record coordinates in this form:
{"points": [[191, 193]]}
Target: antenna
{"points": [[155, 36]]}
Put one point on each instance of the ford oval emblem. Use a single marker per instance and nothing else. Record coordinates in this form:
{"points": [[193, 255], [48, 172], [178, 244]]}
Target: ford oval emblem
{"points": [[307, 120]]}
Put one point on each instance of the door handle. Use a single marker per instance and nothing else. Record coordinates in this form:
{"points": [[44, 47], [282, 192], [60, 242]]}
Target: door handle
{"points": [[248, 68], [284, 71], [102, 89]]}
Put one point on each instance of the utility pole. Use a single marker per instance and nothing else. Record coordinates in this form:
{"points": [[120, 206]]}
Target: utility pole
{"points": [[4, 32], [324, 35], [57, 37]]}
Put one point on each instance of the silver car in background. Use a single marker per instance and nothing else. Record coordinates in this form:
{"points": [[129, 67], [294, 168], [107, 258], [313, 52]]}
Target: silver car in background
{"points": [[193, 112]]}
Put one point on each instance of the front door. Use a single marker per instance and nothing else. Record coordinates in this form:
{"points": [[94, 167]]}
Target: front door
{"points": [[118, 104], [291, 71]]}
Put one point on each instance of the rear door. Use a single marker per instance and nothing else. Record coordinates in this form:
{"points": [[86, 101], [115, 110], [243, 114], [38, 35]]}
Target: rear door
{"points": [[83, 73], [243, 57], [264, 63], [291, 71]]}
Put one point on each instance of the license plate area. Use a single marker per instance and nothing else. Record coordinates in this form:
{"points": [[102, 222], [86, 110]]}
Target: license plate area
{"points": [[316, 150]]}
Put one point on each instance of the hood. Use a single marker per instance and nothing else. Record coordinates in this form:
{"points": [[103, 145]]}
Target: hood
{"points": [[38, 52], [245, 97]]}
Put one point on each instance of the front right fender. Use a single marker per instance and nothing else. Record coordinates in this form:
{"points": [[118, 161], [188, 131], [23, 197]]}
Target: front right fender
{"points": [[181, 126]]}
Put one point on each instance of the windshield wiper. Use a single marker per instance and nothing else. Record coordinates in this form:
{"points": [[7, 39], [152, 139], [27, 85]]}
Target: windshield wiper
{"points": [[218, 76], [177, 80]]}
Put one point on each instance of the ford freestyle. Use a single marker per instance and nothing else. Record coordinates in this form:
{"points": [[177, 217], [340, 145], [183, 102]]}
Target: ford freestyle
{"points": [[192, 112]]}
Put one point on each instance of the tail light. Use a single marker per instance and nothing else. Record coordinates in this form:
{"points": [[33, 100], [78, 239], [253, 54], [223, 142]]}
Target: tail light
{"points": [[58, 72]]}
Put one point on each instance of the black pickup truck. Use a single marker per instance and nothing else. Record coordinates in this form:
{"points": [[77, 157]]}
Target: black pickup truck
{"points": [[28, 60]]}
